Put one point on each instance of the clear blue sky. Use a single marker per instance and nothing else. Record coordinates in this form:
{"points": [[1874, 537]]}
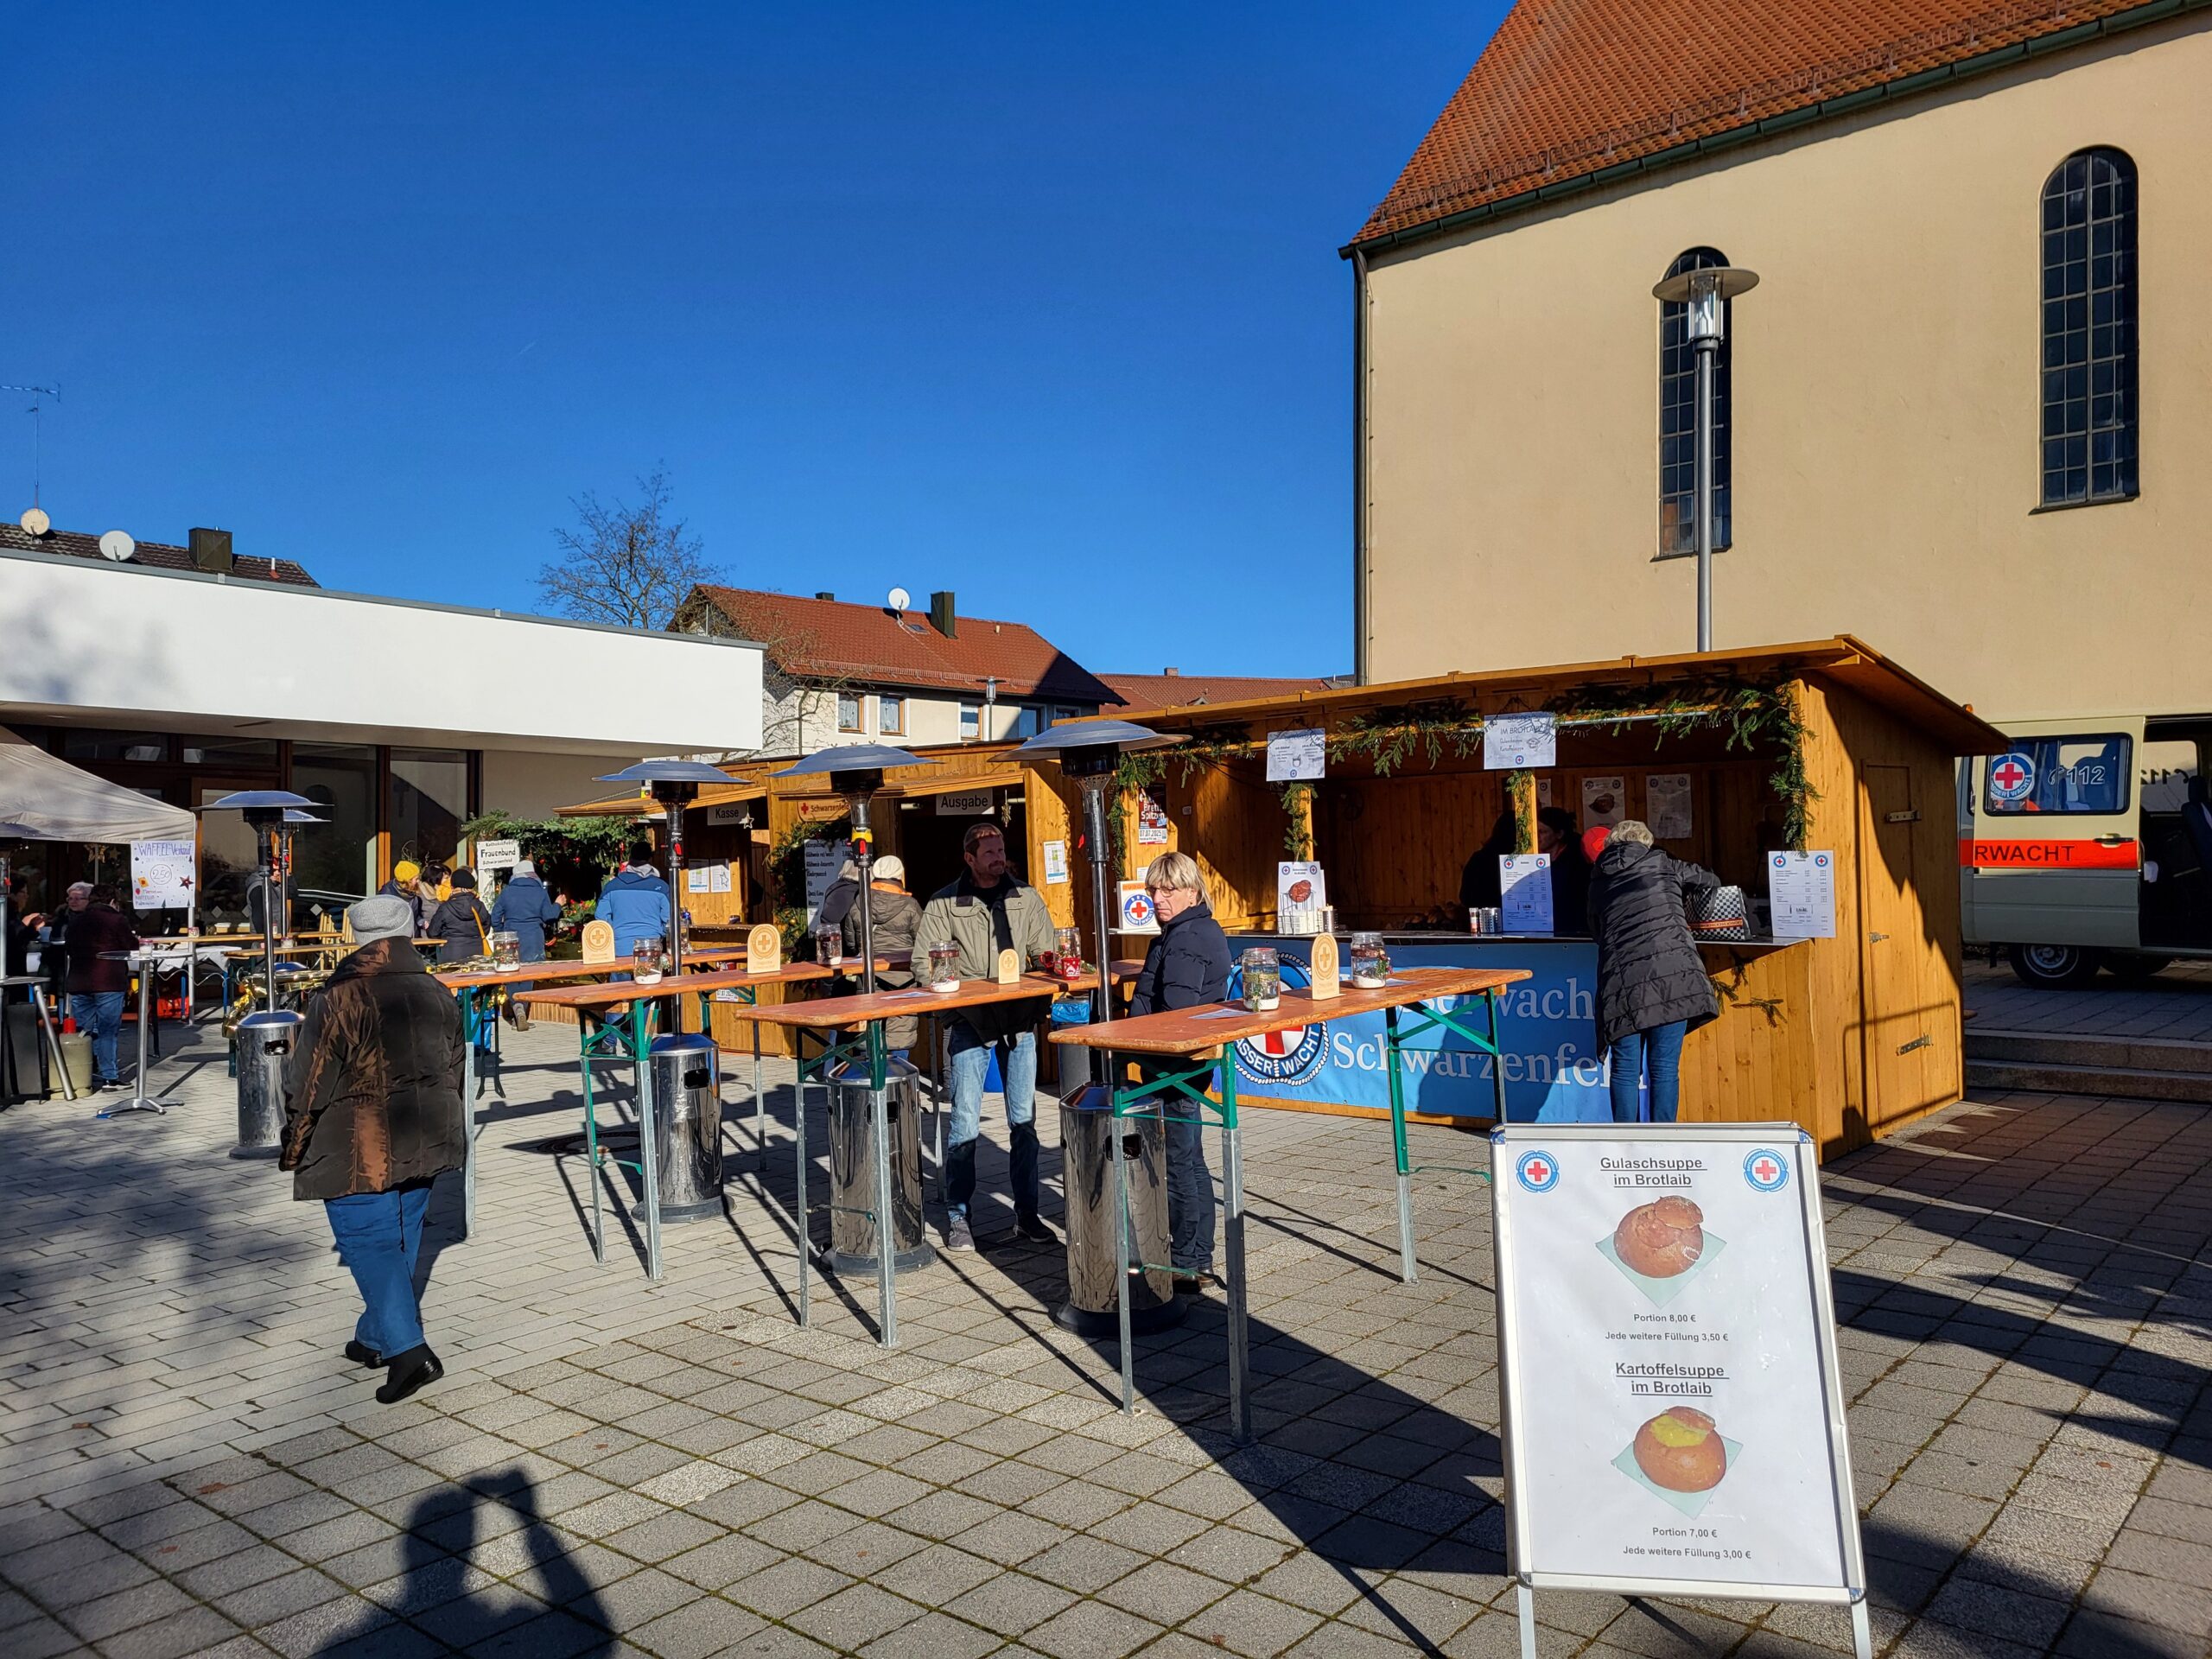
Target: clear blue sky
{"points": [[1040, 304]]}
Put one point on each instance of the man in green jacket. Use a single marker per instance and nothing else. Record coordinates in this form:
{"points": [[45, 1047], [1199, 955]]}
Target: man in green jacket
{"points": [[987, 911]]}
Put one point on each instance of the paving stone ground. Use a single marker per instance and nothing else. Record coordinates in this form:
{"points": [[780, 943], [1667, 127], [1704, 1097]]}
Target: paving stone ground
{"points": [[2175, 1003], [679, 1470]]}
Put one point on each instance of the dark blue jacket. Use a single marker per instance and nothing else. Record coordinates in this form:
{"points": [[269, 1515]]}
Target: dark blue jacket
{"points": [[1186, 967], [525, 909], [635, 903]]}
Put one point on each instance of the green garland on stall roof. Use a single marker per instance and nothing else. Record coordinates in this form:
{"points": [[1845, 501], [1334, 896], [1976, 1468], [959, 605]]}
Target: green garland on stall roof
{"points": [[1386, 738], [1520, 789], [1298, 829]]}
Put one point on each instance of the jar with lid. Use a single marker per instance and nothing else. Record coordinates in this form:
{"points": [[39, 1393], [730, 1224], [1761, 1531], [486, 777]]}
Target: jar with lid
{"points": [[645, 961], [1262, 979], [1370, 962]]}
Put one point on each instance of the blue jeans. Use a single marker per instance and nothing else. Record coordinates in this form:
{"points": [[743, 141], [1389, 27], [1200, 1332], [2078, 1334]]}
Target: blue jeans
{"points": [[378, 1235], [971, 1062], [100, 1014], [1660, 1051], [1190, 1192]]}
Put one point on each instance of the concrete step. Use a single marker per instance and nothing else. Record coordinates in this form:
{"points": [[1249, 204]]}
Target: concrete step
{"points": [[2089, 1050], [2133, 1082]]}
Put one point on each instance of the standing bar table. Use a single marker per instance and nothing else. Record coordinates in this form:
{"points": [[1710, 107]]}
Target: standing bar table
{"points": [[829, 1013], [470, 986], [144, 963], [600, 1003], [1197, 1037]]}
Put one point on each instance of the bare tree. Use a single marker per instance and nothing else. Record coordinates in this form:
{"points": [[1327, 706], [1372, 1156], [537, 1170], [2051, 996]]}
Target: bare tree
{"points": [[630, 565]]}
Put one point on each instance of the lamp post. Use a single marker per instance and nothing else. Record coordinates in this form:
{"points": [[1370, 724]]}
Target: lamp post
{"points": [[1089, 752], [265, 1036], [679, 1074], [856, 772], [1705, 294]]}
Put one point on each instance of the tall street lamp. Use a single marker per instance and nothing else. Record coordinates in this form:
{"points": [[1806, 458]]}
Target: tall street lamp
{"points": [[1705, 294]]}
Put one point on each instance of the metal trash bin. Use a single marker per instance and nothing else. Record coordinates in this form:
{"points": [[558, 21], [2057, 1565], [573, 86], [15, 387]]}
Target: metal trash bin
{"points": [[687, 1125], [1087, 1127], [265, 1040], [852, 1168]]}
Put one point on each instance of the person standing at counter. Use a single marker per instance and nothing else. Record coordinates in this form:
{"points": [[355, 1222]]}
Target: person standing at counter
{"points": [[1556, 835], [1185, 967], [1481, 886], [635, 902], [987, 911], [1652, 988], [893, 913], [525, 909]]}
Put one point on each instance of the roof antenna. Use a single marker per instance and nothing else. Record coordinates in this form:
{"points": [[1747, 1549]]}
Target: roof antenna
{"points": [[38, 430]]}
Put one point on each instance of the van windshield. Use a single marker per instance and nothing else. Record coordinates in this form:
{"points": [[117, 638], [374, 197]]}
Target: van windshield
{"points": [[2087, 774]]}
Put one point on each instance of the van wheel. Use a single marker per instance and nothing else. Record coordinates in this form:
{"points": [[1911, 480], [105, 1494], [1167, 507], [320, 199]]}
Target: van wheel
{"points": [[2053, 967], [2134, 969]]}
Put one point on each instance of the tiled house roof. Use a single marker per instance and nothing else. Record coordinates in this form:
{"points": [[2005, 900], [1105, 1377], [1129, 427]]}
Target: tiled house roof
{"points": [[159, 556], [1568, 89], [1176, 691], [829, 639]]}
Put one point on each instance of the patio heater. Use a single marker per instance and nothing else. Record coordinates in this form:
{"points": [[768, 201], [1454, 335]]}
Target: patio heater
{"points": [[1109, 1227], [679, 1092], [885, 1232], [1705, 295], [265, 1036]]}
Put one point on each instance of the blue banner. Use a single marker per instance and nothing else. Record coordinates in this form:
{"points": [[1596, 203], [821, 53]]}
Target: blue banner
{"points": [[1547, 1028]]}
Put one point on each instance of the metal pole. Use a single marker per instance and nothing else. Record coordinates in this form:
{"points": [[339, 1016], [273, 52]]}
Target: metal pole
{"points": [[641, 1046], [1232, 1192], [270, 852], [1122, 1253], [886, 1271], [1409, 1268], [469, 1024], [1707, 350], [799, 1122]]}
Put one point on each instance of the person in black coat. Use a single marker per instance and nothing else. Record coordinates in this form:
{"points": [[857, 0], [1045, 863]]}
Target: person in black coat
{"points": [[1652, 987], [1480, 883], [461, 922], [1186, 967], [1557, 835]]}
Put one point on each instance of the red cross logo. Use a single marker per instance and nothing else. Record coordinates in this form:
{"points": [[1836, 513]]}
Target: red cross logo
{"points": [[2010, 774], [1767, 1169], [1279, 1043], [1539, 1172]]}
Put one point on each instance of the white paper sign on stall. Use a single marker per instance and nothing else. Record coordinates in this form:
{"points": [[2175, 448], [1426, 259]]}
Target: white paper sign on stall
{"points": [[1055, 862], [1297, 756], [1524, 881], [1300, 888], [1511, 741], [1667, 804], [1801, 888], [162, 874], [497, 854], [825, 858], [1673, 1413], [1605, 800]]}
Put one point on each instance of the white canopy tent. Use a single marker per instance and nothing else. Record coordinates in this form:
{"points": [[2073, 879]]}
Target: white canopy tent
{"points": [[45, 798]]}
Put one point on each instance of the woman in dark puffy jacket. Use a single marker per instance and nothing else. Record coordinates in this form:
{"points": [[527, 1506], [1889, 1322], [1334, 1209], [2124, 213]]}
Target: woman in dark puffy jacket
{"points": [[1652, 988], [461, 922], [1186, 967], [893, 913]]}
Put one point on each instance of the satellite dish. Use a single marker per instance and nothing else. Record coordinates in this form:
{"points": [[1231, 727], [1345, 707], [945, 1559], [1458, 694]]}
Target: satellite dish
{"points": [[900, 599], [117, 546], [35, 521]]}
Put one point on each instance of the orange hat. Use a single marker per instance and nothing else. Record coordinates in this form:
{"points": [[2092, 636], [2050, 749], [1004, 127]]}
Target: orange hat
{"points": [[1593, 841]]}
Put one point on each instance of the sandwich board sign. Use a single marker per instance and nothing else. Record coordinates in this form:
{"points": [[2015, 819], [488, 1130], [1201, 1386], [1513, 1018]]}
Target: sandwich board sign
{"points": [[1673, 1411]]}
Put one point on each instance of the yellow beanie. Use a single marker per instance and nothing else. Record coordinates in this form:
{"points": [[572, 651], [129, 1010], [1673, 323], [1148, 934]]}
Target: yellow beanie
{"points": [[406, 870]]}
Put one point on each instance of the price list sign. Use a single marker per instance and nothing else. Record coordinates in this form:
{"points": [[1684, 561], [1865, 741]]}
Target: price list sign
{"points": [[1674, 1421]]}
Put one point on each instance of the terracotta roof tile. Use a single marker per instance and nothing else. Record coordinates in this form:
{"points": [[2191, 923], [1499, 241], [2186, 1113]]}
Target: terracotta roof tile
{"points": [[158, 555], [1142, 691], [1570, 88], [872, 645]]}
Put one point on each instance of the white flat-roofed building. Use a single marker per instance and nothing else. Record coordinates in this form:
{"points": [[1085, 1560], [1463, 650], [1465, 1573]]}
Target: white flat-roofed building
{"points": [[186, 672]]}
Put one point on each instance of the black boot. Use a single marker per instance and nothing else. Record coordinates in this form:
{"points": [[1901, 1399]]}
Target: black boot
{"points": [[361, 1354], [409, 1372]]}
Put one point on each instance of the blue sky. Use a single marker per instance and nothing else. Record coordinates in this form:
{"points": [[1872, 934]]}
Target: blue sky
{"points": [[1039, 303]]}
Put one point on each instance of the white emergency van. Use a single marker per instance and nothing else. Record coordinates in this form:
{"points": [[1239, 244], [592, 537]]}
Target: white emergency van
{"points": [[2087, 844]]}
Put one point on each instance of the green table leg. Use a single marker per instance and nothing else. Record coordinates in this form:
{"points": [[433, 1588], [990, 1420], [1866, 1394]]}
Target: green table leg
{"points": [[1409, 1268], [1232, 1185], [649, 1156]]}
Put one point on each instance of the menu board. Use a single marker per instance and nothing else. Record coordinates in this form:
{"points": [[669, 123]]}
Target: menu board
{"points": [[1667, 804], [162, 874], [1511, 741], [1297, 756], [1524, 881], [1801, 889], [1673, 1419]]}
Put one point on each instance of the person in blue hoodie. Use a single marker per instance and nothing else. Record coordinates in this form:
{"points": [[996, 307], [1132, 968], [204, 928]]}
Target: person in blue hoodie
{"points": [[525, 909], [635, 902]]}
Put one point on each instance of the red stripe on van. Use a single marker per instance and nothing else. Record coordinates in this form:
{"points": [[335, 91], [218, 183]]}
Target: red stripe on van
{"points": [[2049, 855]]}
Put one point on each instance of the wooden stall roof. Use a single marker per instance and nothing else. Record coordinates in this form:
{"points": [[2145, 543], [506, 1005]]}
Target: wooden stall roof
{"points": [[1849, 662], [638, 806]]}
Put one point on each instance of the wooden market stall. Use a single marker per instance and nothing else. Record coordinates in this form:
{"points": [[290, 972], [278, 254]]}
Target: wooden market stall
{"points": [[758, 831], [1826, 747]]}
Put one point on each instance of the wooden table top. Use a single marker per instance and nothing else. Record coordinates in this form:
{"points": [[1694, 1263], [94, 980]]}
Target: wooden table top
{"points": [[1193, 1031], [455, 979], [832, 1010], [686, 984]]}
